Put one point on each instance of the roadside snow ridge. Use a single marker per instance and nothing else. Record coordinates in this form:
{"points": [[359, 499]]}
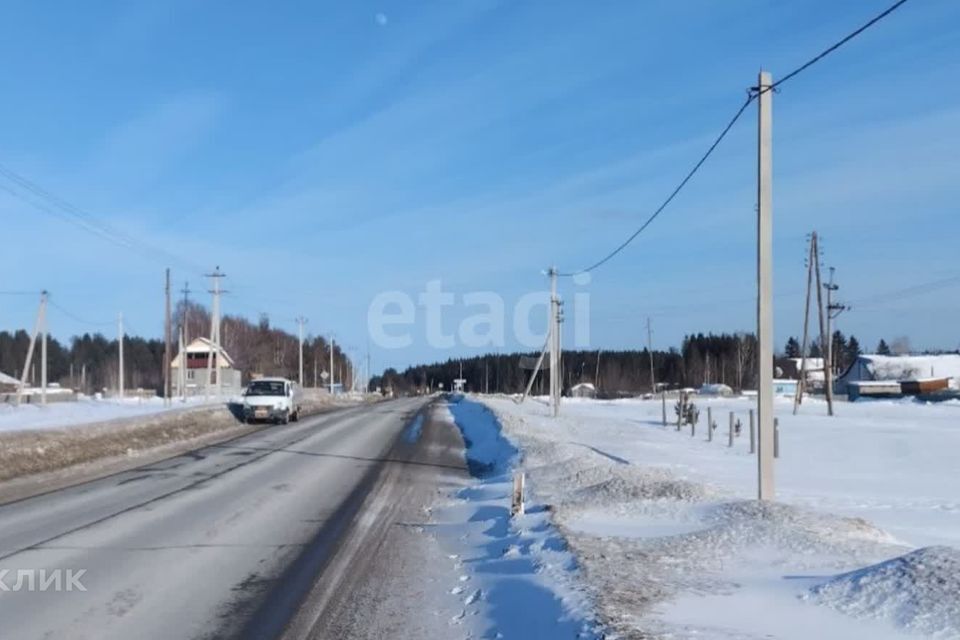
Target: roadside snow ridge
{"points": [[919, 591]]}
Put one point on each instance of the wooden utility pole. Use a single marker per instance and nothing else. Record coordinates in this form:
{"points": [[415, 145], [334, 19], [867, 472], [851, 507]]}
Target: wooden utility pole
{"points": [[765, 462], [554, 333], [167, 383], [824, 337], [802, 383], [834, 309]]}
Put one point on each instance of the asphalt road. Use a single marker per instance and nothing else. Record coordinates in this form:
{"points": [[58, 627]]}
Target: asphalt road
{"points": [[249, 538]]}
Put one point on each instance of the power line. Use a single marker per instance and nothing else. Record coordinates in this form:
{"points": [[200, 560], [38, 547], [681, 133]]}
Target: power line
{"points": [[823, 54], [75, 317], [672, 195], [65, 210], [753, 94]]}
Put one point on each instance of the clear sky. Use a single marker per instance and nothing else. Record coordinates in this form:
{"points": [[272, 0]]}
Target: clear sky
{"points": [[324, 153]]}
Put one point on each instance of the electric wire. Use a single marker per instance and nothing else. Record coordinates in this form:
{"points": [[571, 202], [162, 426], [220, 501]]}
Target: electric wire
{"points": [[753, 94]]}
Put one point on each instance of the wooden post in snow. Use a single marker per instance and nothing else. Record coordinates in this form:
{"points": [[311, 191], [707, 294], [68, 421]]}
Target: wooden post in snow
{"points": [[516, 506], [681, 403], [663, 397], [776, 437], [753, 434]]}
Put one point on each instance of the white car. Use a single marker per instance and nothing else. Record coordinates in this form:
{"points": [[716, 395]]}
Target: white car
{"points": [[271, 399]]}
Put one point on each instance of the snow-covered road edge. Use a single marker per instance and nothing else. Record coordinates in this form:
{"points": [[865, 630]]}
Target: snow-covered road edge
{"points": [[518, 578]]}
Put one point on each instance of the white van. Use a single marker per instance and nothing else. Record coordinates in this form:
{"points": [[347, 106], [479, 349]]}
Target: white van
{"points": [[271, 399]]}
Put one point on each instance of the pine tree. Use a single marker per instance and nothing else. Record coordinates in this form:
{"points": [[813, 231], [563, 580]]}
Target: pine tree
{"points": [[853, 349], [792, 350], [883, 349], [815, 351]]}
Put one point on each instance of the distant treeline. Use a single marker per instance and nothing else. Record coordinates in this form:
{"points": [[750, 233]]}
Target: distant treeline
{"points": [[89, 363], [702, 358], [723, 358]]}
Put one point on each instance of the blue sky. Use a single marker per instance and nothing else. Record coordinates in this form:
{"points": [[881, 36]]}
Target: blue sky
{"points": [[323, 153]]}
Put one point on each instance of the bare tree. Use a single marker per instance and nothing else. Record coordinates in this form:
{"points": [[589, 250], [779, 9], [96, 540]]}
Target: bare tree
{"points": [[900, 346]]}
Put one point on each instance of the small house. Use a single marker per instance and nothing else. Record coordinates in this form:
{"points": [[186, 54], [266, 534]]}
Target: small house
{"points": [[8, 384], [914, 375], [716, 389], [190, 369], [583, 390], [784, 387]]}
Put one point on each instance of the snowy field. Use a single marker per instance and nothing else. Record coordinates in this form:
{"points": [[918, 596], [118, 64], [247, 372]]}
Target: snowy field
{"points": [[669, 542], [85, 410]]}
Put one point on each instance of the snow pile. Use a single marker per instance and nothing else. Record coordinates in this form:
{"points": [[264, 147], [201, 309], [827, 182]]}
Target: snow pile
{"points": [[669, 542], [919, 592]]}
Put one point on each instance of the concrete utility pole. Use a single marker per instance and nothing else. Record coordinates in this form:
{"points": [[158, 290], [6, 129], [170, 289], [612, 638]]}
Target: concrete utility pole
{"points": [[167, 382], [182, 369], [300, 322], [38, 327], [43, 356], [554, 332], [331, 365], [214, 348], [186, 312], [653, 381], [120, 345], [765, 460]]}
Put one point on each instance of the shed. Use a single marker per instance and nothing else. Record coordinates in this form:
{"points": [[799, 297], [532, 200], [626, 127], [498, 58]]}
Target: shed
{"points": [[716, 389], [874, 389], [782, 387], [583, 390]]}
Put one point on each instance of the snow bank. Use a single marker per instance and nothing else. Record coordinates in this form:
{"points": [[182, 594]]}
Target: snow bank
{"points": [[487, 451], [518, 577], [919, 591], [85, 410], [669, 542]]}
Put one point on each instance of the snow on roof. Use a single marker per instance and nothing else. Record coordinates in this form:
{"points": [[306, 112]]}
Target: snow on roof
{"points": [[812, 363], [906, 367], [204, 345], [5, 379], [715, 389], [584, 385]]}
